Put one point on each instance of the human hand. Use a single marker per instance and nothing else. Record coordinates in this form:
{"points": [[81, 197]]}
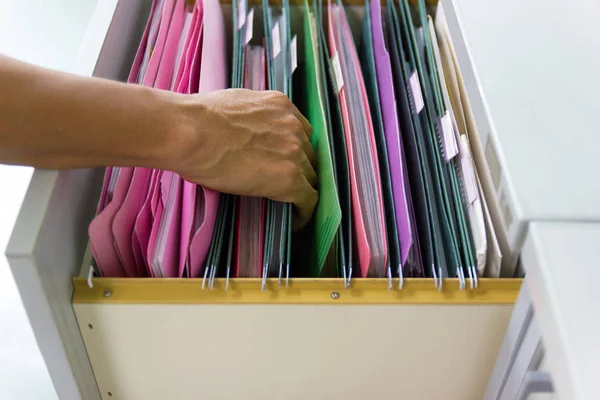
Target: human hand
{"points": [[252, 143]]}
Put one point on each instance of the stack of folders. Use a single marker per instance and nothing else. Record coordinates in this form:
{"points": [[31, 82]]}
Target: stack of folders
{"points": [[400, 194], [152, 223]]}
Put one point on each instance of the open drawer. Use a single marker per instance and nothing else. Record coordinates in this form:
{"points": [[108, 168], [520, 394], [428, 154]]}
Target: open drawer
{"points": [[158, 338]]}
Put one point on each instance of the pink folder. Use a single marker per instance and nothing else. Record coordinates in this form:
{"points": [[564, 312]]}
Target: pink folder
{"points": [[139, 55], [189, 195], [359, 226], [123, 224], [139, 231], [192, 33], [163, 249], [124, 221], [100, 230], [133, 74], [157, 51], [365, 101], [158, 200], [143, 225], [154, 26], [104, 197], [102, 241], [192, 45], [363, 248], [165, 245], [213, 76], [148, 210], [167, 63]]}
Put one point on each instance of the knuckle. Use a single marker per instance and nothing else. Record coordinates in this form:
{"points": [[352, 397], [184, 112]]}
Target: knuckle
{"points": [[289, 176], [292, 125], [293, 150], [297, 125], [279, 97]]}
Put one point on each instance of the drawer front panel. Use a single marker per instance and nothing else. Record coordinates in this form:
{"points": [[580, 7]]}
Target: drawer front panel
{"points": [[292, 352]]}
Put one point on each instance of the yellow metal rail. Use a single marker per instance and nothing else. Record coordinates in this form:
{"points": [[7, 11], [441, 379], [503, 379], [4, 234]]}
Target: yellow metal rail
{"points": [[300, 291]]}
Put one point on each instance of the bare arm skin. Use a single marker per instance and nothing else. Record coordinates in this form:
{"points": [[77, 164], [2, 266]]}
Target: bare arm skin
{"points": [[234, 141]]}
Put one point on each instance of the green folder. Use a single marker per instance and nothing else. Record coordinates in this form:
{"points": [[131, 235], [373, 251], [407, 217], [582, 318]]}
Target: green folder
{"points": [[333, 113], [328, 213]]}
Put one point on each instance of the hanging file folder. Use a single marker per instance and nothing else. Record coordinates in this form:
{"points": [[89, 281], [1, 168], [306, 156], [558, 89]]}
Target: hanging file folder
{"points": [[367, 59], [496, 237], [460, 242], [364, 170], [158, 226], [333, 115], [470, 193], [392, 146], [410, 104], [277, 253], [212, 76], [250, 224], [104, 244], [328, 212]]}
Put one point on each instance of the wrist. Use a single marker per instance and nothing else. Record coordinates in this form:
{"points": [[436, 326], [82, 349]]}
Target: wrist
{"points": [[181, 138]]}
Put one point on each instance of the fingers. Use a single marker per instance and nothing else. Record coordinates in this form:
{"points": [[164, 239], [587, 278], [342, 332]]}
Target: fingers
{"points": [[304, 205], [306, 197], [304, 180], [310, 152], [309, 172], [306, 126], [305, 137]]}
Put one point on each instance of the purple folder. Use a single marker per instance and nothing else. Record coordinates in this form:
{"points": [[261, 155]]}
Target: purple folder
{"points": [[391, 126]]}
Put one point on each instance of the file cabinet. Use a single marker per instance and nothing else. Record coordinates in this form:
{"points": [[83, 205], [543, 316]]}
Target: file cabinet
{"points": [[145, 339]]}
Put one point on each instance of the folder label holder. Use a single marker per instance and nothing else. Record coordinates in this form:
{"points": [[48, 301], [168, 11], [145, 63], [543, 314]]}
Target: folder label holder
{"points": [[276, 40], [337, 70], [294, 53], [249, 26], [448, 139], [242, 13], [469, 173], [415, 87]]}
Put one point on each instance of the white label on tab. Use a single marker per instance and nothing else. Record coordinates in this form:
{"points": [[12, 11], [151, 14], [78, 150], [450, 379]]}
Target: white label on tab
{"points": [[276, 40], [249, 26], [469, 174], [241, 17], [466, 163], [415, 86], [448, 139], [337, 70], [294, 54]]}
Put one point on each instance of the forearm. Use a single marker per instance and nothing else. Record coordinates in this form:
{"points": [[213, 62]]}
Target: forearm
{"points": [[54, 120]]}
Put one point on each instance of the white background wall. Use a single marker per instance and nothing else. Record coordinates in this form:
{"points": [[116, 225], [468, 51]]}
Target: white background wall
{"points": [[47, 33]]}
